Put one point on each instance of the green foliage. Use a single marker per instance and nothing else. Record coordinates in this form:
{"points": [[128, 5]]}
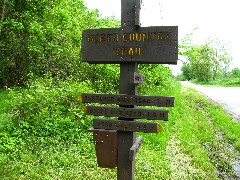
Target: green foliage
{"points": [[44, 37], [231, 78], [103, 78], [204, 62], [235, 73], [44, 110], [208, 129], [200, 63], [237, 145], [44, 136], [155, 75], [226, 82], [186, 71], [180, 77]]}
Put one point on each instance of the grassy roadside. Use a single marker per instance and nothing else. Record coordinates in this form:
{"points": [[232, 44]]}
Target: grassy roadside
{"points": [[192, 146], [3, 104], [224, 82]]}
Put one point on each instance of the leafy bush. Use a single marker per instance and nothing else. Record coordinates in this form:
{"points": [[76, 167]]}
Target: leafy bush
{"points": [[46, 134], [180, 77], [231, 81], [226, 82], [44, 110], [44, 37], [235, 73], [103, 78], [155, 75]]}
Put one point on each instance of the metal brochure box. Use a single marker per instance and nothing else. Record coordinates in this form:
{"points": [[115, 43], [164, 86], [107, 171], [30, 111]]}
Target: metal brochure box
{"points": [[106, 147]]}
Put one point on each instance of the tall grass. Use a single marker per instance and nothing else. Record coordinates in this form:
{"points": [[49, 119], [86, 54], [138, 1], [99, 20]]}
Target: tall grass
{"points": [[44, 136], [235, 82]]}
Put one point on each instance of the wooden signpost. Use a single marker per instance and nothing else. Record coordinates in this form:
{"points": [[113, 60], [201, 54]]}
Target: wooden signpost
{"points": [[130, 45]]}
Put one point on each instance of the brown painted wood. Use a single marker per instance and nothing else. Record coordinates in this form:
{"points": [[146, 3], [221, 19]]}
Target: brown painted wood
{"points": [[126, 167], [135, 148], [146, 45], [123, 99], [106, 147], [132, 126], [138, 113]]}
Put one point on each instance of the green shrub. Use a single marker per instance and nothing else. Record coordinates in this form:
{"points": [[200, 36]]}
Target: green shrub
{"points": [[155, 76], [45, 136], [221, 82], [44, 110], [45, 37], [104, 78], [237, 145], [235, 73]]}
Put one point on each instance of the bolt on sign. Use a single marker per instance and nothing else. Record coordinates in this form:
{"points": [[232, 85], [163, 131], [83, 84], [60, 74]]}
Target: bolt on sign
{"points": [[115, 140], [138, 78]]}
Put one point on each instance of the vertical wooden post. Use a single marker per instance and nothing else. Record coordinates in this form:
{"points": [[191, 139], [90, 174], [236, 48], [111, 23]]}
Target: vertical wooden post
{"points": [[125, 167]]}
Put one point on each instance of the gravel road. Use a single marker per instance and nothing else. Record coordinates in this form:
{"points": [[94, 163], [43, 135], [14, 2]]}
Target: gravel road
{"points": [[227, 97]]}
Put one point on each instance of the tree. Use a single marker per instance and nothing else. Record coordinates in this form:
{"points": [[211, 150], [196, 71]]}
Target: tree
{"points": [[44, 37], [235, 73], [204, 62], [186, 71]]}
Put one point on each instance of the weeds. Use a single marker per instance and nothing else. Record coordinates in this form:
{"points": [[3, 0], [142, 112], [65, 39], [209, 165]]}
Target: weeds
{"points": [[44, 136]]}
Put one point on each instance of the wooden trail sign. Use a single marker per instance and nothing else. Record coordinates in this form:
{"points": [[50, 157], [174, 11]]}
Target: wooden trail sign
{"points": [[139, 113], [129, 46], [133, 126], [146, 45], [123, 99]]}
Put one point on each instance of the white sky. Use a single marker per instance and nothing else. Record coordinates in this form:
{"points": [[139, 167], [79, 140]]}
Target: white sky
{"points": [[214, 18]]}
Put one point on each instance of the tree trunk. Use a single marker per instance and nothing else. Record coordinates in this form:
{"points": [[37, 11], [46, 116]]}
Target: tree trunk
{"points": [[3, 10]]}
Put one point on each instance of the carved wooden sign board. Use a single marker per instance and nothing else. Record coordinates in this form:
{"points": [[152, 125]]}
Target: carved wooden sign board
{"points": [[136, 113], [130, 45], [123, 99], [146, 45]]}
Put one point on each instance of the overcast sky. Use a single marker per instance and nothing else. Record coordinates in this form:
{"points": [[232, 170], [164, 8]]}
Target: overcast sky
{"points": [[213, 18]]}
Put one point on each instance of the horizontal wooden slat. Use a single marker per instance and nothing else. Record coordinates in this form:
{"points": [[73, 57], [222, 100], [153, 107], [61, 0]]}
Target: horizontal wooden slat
{"points": [[121, 99], [127, 112], [132, 126]]}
